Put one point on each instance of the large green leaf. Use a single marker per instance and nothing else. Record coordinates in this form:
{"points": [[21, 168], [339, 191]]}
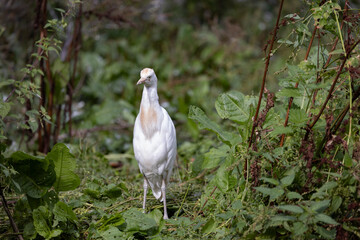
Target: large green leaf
{"points": [[4, 108], [41, 217], [63, 213], [273, 193], [291, 208], [137, 221], [113, 233], [325, 219], [204, 122], [222, 179], [65, 165], [234, 106], [298, 117], [35, 174], [214, 156]]}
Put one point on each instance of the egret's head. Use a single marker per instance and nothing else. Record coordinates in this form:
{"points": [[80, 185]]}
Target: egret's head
{"points": [[148, 77]]}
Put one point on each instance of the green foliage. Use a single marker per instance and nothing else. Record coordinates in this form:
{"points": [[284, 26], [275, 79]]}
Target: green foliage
{"points": [[301, 190]]}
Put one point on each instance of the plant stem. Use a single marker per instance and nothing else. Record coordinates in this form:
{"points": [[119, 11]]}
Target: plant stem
{"points": [[332, 86], [264, 78], [182, 202]]}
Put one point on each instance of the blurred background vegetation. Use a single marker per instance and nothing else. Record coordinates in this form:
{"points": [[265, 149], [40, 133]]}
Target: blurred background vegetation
{"points": [[197, 48]]}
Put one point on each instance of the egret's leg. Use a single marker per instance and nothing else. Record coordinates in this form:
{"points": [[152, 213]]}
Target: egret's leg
{"points": [[145, 192], [163, 192]]}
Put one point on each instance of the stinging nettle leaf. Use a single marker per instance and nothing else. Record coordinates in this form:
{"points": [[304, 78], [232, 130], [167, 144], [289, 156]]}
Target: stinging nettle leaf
{"points": [[204, 122], [291, 208], [234, 106]]}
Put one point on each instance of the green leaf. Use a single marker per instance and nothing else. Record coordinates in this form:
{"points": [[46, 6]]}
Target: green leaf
{"points": [[4, 83], [298, 117], [270, 180], [281, 130], [325, 219], [234, 106], [289, 92], [63, 213], [327, 234], [283, 218], [35, 174], [335, 204], [209, 226], [288, 180], [337, 51], [113, 191], [65, 165], [291, 208], [320, 206], [113, 233], [116, 220], [348, 162], [293, 195], [328, 186], [224, 180], [214, 156], [4, 108], [137, 221], [41, 216], [299, 228], [204, 122], [274, 193]]}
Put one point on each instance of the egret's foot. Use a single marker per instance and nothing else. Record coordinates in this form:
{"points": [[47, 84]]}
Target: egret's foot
{"points": [[166, 216]]}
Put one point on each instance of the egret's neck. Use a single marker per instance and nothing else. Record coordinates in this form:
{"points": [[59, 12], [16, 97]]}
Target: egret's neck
{"points": [[150, 97]]}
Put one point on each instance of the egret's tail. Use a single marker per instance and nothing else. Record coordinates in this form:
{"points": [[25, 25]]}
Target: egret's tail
{"points": [[155, 182]]}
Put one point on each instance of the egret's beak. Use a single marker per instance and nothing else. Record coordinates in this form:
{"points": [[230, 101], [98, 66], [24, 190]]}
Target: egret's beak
{"points": [[141, 81]]}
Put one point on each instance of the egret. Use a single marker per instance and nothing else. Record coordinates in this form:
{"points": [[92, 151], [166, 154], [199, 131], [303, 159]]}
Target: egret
{"points": [[154, 140]]}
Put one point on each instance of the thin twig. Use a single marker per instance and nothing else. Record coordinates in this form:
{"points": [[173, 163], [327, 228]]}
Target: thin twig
{"points": [[207, 199]]}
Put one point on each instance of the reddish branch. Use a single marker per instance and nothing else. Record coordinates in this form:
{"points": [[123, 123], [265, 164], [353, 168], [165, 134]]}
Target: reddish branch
{"points": [[296, 86], [76, 46], [333, 85], [318, 79], [263, 80]]}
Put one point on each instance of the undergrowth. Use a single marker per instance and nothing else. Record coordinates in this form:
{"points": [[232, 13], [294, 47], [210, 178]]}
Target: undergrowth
{"points": [[281, 165]]}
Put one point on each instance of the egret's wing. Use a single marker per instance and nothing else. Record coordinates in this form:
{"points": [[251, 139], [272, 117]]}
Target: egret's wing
{"points": [[168, 129]]}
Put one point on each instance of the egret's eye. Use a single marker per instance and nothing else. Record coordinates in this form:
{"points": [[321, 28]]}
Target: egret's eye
{"points": [[148, 77]]}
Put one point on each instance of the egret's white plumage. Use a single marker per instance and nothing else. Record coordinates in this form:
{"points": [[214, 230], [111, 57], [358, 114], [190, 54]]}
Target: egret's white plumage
{"points": [[154, 140]]}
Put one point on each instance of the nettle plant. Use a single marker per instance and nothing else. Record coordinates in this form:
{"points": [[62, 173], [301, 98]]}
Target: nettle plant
{"points": [[37, 181], [292, 169]]}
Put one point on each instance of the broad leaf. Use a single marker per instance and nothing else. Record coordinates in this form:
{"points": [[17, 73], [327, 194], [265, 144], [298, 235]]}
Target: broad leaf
{"points": [[293, 195], [291, 208], [234, 106], [274, 193], [113, 233], [65, 165], [63, 213], [214, 156], [41, 218], [209, 226], [4, 108], [299, 228], [204, 122], [325, 219], [35, 174], [137, 221], [298, 117], [320, 206]]}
